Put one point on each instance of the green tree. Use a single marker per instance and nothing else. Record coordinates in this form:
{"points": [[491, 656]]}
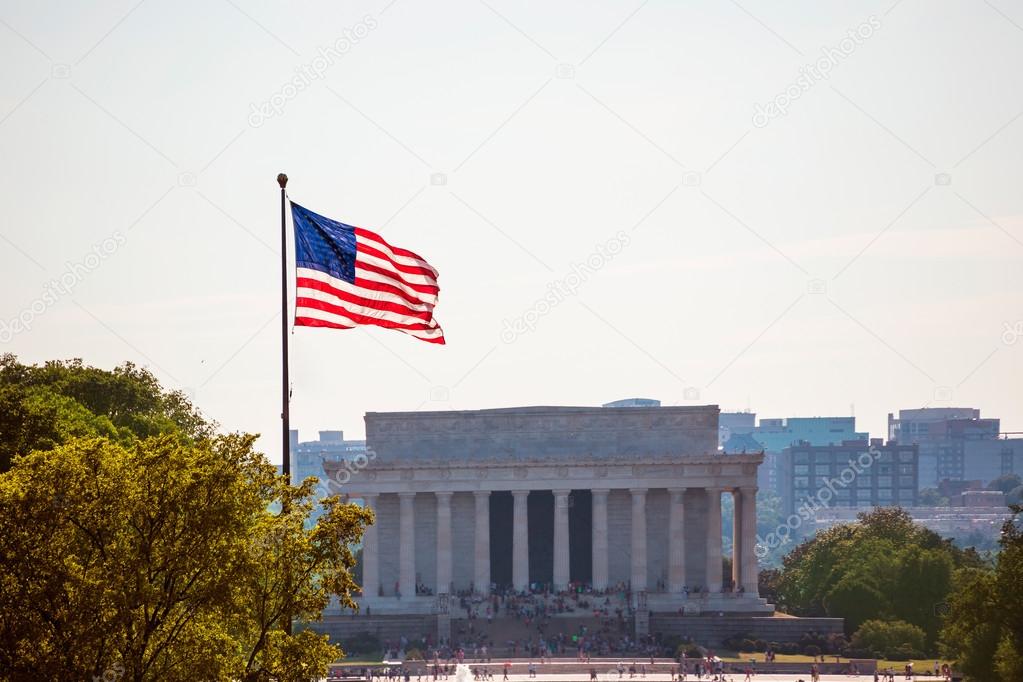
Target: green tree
{"points": [[883, 566], [971, 631], [1015, 496], [856, 599], [1006, 483], [44, 406], [931, 497], [162, 560], [983, 628], [922, 585]]}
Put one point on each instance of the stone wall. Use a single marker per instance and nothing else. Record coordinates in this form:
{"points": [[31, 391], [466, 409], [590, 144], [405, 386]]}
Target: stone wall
{"points": [[713, 630], [387, 628], [543, 432]]}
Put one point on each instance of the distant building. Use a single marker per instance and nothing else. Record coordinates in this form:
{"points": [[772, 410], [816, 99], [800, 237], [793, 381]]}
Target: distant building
{"points": [[735, 423], [949, 522], [980, 498], [853, 474], [772, 436], [943, 434], [987, 459], [307, 457], [634, 402]]}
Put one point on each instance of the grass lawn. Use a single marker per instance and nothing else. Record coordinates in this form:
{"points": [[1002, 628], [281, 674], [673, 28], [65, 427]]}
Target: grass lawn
{"points": [[925, 664], [359, 660]]}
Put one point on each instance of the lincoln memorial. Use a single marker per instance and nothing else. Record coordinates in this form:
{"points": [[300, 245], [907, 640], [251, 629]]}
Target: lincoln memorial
{"points": [[544, 497]]}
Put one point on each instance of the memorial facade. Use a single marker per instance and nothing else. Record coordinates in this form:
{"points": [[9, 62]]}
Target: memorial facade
{"points": [[630, 497]]}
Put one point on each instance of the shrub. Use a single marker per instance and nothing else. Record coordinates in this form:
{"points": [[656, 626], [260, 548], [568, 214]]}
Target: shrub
{"points": [[788, 648], [690, 650], [903, 653], [812, 650], [759, 645], [883, 637], [413, 655], [362, 643], [670, 643], [835, 644], [742, 642]]}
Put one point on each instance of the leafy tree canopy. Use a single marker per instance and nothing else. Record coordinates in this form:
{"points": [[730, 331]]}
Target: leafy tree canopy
{"points": [[983, 628], [883, 567], [931, 497], [136, 544], [44, 406], [1005, 483]]}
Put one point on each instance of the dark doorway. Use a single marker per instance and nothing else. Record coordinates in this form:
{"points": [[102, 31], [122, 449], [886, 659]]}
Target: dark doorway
{"points": [[501, 509], [580, 536], [541, 536]]}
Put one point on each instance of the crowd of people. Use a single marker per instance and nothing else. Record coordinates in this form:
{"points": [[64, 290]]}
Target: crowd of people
{"points": [[546, 635]]}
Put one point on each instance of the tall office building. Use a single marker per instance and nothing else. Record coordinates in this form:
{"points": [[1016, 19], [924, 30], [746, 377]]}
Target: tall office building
{"points": [[944, 435], [774, 435], [853, 474]]}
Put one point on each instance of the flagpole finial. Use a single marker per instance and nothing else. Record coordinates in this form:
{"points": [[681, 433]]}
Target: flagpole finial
{"points": [[282, 180]]}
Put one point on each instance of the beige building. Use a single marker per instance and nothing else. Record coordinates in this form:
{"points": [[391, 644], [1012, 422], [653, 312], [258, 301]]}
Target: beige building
{"points": [[472, 501]]}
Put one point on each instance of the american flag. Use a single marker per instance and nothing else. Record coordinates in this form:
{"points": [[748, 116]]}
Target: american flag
{"points": [[348, 276]]}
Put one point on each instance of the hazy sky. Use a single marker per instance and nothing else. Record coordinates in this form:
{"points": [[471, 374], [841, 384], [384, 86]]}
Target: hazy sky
{"points": [[860, 250]]}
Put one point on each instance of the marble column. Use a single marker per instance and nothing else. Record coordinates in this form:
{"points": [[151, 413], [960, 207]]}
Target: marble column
{"points": [[737, 529], [599, 538], [561, 560], [370, 552], [750, 569], [520, 541], [713, 582], [481, 574], [676, 540], [443, 542], [639, 568], [407, 546]]}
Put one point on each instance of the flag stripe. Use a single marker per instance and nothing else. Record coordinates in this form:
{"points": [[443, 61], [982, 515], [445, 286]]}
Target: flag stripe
{"points": [[388, 276], [344, 322], [310, 307], [372, 288], [397, 254], [345, 289], [374, 255], [320, 299]]}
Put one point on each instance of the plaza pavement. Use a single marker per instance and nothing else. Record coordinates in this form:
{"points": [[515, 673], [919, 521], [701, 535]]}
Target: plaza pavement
{"points": [[665, 677]]}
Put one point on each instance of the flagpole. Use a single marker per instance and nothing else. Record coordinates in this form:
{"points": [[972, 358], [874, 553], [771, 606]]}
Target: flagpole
{"points": [[282, 180]]}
